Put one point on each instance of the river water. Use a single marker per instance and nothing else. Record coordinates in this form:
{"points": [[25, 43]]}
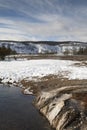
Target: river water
{"points": [[17, 111]]}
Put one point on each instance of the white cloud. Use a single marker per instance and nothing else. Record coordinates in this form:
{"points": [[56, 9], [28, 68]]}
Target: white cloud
{"points": [[58, 20]]}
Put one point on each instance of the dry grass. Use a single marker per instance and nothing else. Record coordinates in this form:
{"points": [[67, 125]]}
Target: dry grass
{"points": [[52, 56], [51, 82], [83, 63], [82, 97], [74, 57]]}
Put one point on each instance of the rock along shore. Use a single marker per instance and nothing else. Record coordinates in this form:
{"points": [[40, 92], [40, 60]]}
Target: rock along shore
{"points": [[65, 107]]}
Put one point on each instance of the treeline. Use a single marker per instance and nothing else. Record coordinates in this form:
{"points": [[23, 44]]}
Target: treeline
{"points": [[80, 51], [4, 51]]}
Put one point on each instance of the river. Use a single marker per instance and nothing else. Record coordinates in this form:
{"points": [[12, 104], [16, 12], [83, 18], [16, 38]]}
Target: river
{"points": [[17, 111]]}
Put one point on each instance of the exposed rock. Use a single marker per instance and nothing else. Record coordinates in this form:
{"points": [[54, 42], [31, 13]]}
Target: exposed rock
{"points": [[64, 111]]}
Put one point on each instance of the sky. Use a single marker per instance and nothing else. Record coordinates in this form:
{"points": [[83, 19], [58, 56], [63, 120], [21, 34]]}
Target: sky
{"points": [[52, 20]]}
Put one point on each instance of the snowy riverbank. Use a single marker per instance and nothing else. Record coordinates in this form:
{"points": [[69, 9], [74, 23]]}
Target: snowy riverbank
{"points": [[62, 98]]}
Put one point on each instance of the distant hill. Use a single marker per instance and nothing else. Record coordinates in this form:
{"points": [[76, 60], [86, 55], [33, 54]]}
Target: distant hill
{"points": [[44, 47]]}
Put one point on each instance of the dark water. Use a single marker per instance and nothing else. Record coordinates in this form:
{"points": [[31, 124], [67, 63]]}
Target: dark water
{"points": [[17, 111]]}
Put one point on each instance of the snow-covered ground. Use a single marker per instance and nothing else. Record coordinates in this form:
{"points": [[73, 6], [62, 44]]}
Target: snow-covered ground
{"points": [[15, 71]]}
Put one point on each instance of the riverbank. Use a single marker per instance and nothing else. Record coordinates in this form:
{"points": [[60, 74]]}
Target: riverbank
{"points": [[63, 102], [60, 87]]}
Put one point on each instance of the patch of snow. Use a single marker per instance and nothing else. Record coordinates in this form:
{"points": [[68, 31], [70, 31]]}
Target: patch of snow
{"points": [[15, 71], [27, 91]]}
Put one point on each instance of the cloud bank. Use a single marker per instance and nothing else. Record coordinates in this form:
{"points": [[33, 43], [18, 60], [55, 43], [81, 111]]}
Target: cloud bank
{"points": [[43, 20]]}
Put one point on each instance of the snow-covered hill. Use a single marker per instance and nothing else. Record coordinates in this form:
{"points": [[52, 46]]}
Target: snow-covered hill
{"points": [[44, 47]]}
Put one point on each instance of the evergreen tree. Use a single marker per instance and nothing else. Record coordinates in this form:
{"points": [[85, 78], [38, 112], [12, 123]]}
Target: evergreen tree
{"points": [[6, 51]]}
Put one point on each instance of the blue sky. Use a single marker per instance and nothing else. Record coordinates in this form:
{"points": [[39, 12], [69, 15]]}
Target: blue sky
{"points": [[43, 20]]}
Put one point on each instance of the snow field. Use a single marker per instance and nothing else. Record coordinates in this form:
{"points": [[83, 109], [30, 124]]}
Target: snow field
{"points": [[15, 71]]}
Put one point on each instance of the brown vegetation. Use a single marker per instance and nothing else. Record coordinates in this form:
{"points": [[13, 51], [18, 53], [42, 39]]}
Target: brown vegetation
{"points": [[51, 82]]}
